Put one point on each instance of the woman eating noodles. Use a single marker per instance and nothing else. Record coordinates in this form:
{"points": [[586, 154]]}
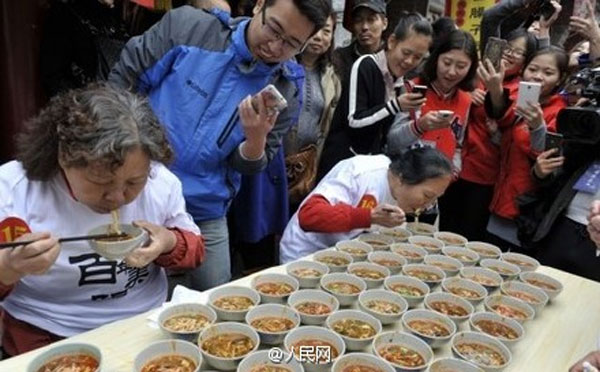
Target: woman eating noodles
{"points": [[363, 191], [89, 152]]}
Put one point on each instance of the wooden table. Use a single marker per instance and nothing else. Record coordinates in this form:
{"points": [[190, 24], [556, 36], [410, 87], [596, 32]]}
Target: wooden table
{"points": [[566, 330]]}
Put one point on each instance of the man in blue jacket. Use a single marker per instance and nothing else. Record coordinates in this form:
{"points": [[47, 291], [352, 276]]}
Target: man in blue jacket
{"points": [[199, 70]]}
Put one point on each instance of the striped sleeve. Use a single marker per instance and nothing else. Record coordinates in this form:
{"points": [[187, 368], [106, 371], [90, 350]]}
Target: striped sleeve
{"points": [[366, 81]]}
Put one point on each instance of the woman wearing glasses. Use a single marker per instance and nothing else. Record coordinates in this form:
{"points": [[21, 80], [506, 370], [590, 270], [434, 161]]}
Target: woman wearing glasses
{"points": [[376, 93], [481, 148], [524, 137]]}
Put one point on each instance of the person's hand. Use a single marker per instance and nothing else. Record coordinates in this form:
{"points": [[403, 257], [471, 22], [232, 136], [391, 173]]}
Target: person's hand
{"points": [[410, 101], [545, 164], [546, 23], [387, 215], [257, 124], [478, 97], [432, 121], [31, 259], [162, 240], [594, 222], [592, 358], [586, 27], [532, 114], [491, 78]]}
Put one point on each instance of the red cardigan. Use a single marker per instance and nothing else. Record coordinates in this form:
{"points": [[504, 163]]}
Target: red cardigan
{"points": [[517, 158], [481, 157], [459, 102]]}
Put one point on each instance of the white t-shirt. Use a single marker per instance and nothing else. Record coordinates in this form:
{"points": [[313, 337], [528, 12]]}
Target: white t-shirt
{"points": [[83, 290], [358, 181]]}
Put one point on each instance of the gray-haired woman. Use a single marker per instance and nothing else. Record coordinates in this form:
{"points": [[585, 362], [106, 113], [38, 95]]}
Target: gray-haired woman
{"points": [[361, 191], [89, 152]]}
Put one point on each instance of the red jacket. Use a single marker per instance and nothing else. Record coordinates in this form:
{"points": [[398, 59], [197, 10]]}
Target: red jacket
{"points": [[459, 102], [517, 158], [481, 157]]}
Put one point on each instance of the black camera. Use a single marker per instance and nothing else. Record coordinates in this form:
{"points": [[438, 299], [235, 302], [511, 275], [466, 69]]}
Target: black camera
{"points": [[582, 124]]}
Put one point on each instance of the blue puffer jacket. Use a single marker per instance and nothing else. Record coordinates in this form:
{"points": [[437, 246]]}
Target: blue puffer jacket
{"points": [[196, 68]]}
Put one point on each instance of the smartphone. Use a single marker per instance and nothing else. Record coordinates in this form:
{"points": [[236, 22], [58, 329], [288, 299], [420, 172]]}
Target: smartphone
{"points": [[445, 114], [421, 89], [554, 141], [274, 100], [494, 50], [547, 10], [528, 92], [580, 9]]}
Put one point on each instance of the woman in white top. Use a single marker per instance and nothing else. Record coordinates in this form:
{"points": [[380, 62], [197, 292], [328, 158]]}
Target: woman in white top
{"points": [[361, 191], [87, 153]]}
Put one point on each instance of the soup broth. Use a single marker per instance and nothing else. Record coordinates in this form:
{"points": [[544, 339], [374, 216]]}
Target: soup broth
{"points": [[401, 355], [424, 275], [315, 344], [343, 288], [228, 345], [186, 323], [307, 273], [354, 328], [170, 363], [429, 328], [383, 307], [275, 289], [234, 303], [269, 368], [71, 363], [448, 308], [481, 354], [368, 274], [334, 261], [496, 329], [313, 308], [407, 290], [272, 324]]}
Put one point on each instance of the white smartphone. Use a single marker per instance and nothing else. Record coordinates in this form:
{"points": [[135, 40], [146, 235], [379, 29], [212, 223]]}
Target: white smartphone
{"points": [[445, 114], [528, 92], [274, 100]]}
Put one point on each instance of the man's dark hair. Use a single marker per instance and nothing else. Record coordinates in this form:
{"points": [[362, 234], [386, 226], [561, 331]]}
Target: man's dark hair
{"points": [[316, 11], [460, 40]]}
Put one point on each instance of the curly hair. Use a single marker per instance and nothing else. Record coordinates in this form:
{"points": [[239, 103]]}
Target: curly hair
{"points": [[99, 123]]}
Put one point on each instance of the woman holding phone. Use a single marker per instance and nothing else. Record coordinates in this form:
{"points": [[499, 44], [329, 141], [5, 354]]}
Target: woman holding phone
{"points": [[448, 75], [376, 93], [362, 191], [481, 148], [525, 135]]}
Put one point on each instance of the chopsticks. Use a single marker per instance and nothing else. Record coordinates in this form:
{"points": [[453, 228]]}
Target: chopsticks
{"points": [[62, 240]]}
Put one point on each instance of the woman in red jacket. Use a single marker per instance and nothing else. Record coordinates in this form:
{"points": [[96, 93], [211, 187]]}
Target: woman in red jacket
{"points": [[525, 134], [448, 75], [481, 150]]}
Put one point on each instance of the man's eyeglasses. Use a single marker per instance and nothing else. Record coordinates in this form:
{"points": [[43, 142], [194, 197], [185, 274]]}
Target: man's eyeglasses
{"points": [[518, 53], [273, 34]]}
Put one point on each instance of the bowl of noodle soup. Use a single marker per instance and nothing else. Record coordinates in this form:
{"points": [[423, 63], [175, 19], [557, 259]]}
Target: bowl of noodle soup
{"points": [[169, 355], [224, 345], [273, 322], [185, 321], [261, 362], [82, 357], [119, 247]]}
